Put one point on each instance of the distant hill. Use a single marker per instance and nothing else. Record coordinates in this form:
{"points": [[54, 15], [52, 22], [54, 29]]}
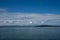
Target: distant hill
{"points": [[47, 26]]}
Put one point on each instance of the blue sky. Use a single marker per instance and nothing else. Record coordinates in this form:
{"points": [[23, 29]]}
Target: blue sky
{"points": [[31, 6], [29, 12]]}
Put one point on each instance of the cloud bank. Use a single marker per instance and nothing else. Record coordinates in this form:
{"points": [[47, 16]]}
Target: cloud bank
{"points": [[28, 18]]}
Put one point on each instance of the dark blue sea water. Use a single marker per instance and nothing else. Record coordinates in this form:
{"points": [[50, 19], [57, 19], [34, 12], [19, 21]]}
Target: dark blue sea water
{"points": [[30, 33]]}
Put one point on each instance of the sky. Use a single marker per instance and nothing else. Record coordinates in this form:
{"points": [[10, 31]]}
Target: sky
{"points": [[29, 12], [31, 6]]}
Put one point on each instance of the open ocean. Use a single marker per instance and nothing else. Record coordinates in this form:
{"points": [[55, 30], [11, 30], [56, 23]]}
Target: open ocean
{"points": [[30, 33]]}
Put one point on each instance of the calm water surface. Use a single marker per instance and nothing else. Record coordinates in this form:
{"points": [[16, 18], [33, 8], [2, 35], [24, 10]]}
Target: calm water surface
{"points": [[30, 33]]}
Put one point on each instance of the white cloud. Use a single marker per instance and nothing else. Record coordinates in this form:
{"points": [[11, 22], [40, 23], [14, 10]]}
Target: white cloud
{"points": [[1, 9], [28, 18], [25, 18]]}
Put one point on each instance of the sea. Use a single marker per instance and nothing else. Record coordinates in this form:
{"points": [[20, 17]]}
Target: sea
{"points": [[30, 33]]}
